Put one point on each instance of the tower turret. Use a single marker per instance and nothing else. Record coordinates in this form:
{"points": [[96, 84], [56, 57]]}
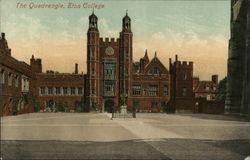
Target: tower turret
{"points": [[93, 61], [125, 56], [36, 64], [93, 25], [126, 23]]}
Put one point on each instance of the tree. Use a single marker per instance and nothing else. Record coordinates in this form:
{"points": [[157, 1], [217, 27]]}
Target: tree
{"points": [[60, 107], [222, 89], [81, 106]]}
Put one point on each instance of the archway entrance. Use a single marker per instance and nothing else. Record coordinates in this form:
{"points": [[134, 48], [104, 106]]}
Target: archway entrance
{"points": [[109, 105]]}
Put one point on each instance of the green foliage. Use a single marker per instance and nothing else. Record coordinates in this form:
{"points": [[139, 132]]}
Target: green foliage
{"points": [[50, 104], [221, 91], [14, 105], [60, 106], [81, 106]]}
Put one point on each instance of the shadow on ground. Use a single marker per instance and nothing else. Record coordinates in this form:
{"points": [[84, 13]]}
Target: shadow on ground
{"points": [[132, 149], [219, 117]]}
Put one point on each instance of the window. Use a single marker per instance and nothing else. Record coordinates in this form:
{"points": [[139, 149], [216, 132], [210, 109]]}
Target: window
{"points": [[25, 83], [92, 91], [10, 79], [65, 91], [144, 92], [125, 54], [136, 90], [165, 90], [155, 71], [2, 76], [152, 90], [154, 104], [42, 90], [184, 91], [185, 76], [93, 71], [16, 80], [50, 90], [109, 86], [125, 71], [206, 88], [109, 70], [72, 91], [208, 97], [92, 54], [80, 91], [58, 91]]}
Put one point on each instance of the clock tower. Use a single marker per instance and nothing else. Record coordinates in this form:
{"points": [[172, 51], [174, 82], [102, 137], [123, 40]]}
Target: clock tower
{"points": [[92, 91], [125, 57]]}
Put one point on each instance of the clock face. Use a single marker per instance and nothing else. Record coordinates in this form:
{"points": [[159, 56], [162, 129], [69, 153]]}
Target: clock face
{"points": [[109, 51]]}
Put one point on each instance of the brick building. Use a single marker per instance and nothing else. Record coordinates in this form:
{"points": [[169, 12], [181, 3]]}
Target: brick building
{"points": [[112, 74], [16, 81], [53, 87], [182, 95], [206, 89], [112, 79], [24, 88]]}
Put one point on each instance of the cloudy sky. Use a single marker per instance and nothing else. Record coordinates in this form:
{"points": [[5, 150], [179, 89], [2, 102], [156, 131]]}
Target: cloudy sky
{"points": [[195, 30]]}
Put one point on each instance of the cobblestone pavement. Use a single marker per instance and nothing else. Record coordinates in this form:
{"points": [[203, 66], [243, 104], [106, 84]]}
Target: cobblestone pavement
{"points": [[149, 136]]}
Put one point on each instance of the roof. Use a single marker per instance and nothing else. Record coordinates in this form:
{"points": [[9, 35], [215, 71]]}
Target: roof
{"points": [[155, 62], [205, 87]]}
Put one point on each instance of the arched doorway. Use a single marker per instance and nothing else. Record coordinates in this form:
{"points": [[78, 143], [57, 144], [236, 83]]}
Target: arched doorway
{"points": [[109, 105]]}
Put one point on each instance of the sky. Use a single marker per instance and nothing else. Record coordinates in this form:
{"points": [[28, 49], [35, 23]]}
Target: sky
{"points": [[196, 30]]}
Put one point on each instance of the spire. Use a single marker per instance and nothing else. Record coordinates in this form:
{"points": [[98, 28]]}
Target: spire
{"points": [[155, 54], [126, 12], [146, 53], [146, 59]]}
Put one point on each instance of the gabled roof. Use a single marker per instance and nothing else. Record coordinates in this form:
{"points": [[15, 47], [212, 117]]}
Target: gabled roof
{"points": [[155, 62], [205, 87]]}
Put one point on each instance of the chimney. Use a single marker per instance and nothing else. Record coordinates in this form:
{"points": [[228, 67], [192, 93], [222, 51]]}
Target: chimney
{"points": [[76, 68], [3, 35], [215, 79], [176, 58], [170, 64]]}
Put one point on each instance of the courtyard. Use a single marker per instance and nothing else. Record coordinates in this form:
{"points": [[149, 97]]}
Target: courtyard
{"points": [[149, 136]]}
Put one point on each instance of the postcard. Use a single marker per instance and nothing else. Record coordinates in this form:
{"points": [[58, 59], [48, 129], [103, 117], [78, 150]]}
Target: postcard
{"points": [[144, 79]]}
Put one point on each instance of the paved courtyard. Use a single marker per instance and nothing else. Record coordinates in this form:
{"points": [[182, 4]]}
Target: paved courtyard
{"points": [[149, 136]]}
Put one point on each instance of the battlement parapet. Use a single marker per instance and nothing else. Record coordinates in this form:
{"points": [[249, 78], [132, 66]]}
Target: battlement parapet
{"points": [[107, 40], [184, 64]]}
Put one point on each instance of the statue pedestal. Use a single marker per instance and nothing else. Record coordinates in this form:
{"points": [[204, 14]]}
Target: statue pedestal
{"points": [[123, 110]]}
